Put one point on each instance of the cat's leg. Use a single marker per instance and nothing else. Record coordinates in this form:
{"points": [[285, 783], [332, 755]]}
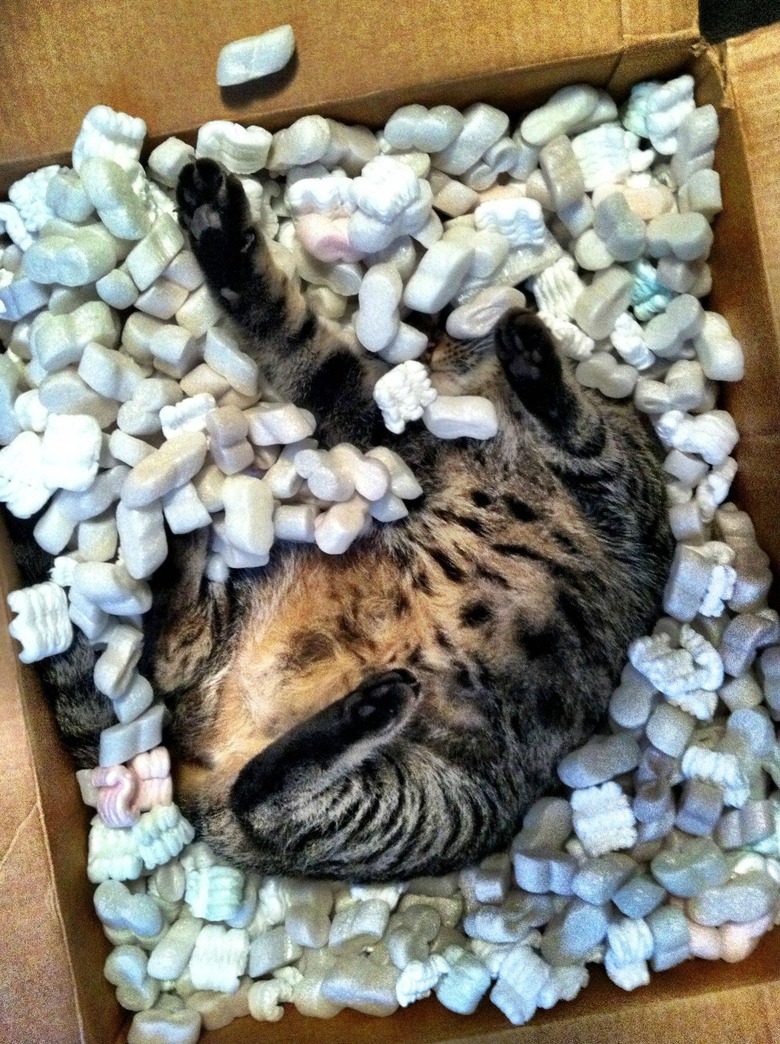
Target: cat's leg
{"points": [[600, 450], [365, 791], [536, 374], [302, 356], [344, 731], [189, 628]]}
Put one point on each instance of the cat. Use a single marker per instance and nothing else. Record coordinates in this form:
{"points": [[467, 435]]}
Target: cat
{"points": [[393, 711]]}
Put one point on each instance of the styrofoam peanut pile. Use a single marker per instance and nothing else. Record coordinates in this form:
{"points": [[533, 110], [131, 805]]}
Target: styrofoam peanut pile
{"points": [[669, 844]]}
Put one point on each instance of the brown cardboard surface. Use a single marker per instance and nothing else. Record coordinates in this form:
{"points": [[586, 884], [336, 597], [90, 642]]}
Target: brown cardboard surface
{"points": [[53, 949], [753, 63], [51, 986], [158, 60], [746, 260]]}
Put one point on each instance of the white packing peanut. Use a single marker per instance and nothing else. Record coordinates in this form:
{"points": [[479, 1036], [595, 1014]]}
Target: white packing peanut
{"points": [[142, 539], [279, 424], [117, 289], [603, 819], [482, 126], [219, 958], [613, 379], [22, 485], [231, 451], [105, 132], [519, 220], [563, 112], [718, 351], [328, 477], [188, 415], [428, 130], [183, 510], [184, 270], [249, 507], [42, 626], [453, 417], [377, 320], [403, 394], [408, 343], [478, 316], [712, 435], [370, 478], [109, 372], [67, 198], [70, 450], [665, 108], [225, 356], [305, 141], [295, 522], [163, 299], [110, 188], [114, 667], [338, 527], [167, 160], [199, 312], [255, 56], [120, 743], [242, 150], [29, 197], [75, 260], [58, 340], [390, 201], [150, 258], [168, 468]]}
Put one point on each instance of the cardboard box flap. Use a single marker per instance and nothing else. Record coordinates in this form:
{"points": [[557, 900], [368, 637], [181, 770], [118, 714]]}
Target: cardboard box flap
{"points": [[657, 20], [158, 61], [745, 259], [751, 72], [44, 904]]}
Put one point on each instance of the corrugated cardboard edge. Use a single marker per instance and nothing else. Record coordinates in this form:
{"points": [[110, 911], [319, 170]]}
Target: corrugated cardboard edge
{"points": [[752, 67], [43, 886], [36, 957], [746, 261]]}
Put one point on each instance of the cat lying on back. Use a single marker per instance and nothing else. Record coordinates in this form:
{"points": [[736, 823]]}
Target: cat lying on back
{"points": [[393, 711]]}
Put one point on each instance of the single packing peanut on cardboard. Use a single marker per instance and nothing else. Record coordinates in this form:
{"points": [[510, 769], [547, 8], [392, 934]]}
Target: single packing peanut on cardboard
{"points": [[358, 63]]}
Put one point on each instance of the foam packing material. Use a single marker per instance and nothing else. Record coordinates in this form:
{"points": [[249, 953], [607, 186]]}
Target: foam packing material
{"points": [[669, 830]]}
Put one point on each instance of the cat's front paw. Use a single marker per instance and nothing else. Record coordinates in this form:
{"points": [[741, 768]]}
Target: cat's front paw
{"points": [[206, 198], [214, 210]]}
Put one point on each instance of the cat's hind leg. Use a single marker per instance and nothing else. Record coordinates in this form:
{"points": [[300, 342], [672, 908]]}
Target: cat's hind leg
{"points": [[344, 732], [535, 373], [306, 361]]}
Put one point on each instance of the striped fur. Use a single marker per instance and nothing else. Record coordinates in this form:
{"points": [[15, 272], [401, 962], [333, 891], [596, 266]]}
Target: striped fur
{"points": [[393, 711]]}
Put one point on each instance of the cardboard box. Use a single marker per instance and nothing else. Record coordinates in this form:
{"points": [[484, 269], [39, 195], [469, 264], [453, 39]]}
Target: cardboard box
{"points": [[358, 61]]}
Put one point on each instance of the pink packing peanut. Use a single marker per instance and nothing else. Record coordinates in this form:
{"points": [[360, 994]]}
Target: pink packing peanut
{"points": [[117, 795]]}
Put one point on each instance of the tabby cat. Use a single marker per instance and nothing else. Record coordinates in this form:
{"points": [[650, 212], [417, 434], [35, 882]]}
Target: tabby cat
{"points": [[393, 711]]}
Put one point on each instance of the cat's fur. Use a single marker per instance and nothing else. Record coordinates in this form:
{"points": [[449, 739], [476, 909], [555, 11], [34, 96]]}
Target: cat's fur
{"points": [[393, 711]]}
